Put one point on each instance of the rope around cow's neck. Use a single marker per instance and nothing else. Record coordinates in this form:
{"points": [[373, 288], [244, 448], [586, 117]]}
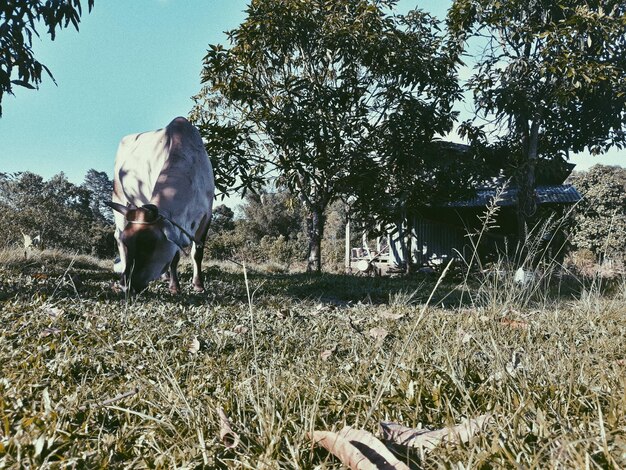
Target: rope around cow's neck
{"points": [[161, 217]]}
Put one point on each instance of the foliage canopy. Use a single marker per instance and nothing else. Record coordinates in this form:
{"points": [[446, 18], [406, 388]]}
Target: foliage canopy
{"points": [[18, 24], [306, 87], [61, 213], [600, 219], [551, 76]]}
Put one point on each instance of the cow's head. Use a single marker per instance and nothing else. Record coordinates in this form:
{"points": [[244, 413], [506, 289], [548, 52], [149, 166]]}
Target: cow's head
{"points": [[147, 244]]}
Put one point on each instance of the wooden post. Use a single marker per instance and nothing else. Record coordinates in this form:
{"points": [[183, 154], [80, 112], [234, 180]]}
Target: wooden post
{"points": [[348, 253]]}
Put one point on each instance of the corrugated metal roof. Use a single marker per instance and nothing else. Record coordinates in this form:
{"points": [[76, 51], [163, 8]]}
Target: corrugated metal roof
{"points": [[557, 194]]}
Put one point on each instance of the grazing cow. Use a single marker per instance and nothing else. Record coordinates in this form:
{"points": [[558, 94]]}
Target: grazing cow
{"points": [[163, 192]]}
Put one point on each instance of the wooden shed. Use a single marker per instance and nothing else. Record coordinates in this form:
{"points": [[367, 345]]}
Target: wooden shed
{"points": [[436, 234]]}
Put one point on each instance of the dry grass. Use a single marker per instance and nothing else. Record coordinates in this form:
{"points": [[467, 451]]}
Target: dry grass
{"points": [[91, 379]]}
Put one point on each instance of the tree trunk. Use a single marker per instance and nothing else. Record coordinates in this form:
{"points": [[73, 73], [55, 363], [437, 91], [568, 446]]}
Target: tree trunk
{"points": [[316, 233], [526, 203], [405, 232], [409, 247], [348, 248]]}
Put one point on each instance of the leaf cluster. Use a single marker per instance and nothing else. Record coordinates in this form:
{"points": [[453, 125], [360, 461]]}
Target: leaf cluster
{"points": [[559, 64], [600, 218], [62, 214], [18, 24], [316, 85]]}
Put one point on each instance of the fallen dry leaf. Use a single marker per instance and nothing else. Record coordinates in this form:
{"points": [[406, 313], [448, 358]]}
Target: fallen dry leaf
{"points": [[378, 333], [194, 345], [427, 439], [464, 336], [392, 316], [358, 449], [229, 438], [53, 312], [240, 329], [49, 332], [325, 355], [283, 313], [372, 448], [515, 324]]}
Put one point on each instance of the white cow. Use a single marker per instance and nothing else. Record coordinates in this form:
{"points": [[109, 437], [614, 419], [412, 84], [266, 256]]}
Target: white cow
{"points": [[163, 192]]}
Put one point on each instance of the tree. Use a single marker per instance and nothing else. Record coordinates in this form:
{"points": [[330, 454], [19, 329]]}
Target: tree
{"points": [[306, 84], [552, 77], [223, 219], [273, 214], [269, 230], [56, 209], [100, 186], [18, 23], [600, 218]]}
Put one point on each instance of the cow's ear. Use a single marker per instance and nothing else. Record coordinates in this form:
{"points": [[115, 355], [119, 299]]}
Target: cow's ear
{"points": [[117, 207]]}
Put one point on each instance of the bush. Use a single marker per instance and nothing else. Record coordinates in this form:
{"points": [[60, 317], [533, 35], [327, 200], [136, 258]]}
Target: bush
{"points": [[58, 211], [584, 263], [600, 218], [272, 231]]}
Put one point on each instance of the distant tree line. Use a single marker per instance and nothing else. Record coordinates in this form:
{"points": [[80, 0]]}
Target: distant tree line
{"points": [[270, 226], [64, 215]]}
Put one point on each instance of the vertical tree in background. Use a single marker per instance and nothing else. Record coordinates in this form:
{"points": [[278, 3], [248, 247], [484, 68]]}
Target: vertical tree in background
{"points": [[18, 24], [551, 75], [303, 88], [100, 186]]}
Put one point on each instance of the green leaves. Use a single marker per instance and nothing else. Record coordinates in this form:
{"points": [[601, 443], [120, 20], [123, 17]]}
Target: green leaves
{"points": [[550, 80], [310, 85], [60, 213], [17, 26], [561, 64], [600, 218], [313, 83]]}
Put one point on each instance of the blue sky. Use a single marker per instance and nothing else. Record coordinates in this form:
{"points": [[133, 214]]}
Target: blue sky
{"points": [[132, 67]]}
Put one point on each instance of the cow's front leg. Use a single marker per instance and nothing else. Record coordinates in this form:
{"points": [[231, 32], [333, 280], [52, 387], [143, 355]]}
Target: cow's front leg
{"points": [[197, 253], [174, 284]]}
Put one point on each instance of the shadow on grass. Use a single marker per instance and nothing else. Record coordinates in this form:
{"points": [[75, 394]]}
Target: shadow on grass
{"points": [[327, 287], [67, 276], [63, 279]]}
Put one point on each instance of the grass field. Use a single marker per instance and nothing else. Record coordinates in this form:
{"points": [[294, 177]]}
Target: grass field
{"points": [[92, 379]]}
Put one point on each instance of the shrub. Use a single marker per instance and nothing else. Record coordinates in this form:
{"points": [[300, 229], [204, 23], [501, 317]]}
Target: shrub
{"points": [[600, 219]]}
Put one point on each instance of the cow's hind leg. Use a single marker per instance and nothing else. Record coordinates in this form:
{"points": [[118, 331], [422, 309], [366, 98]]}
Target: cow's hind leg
{"points": [[196, 253], [174, 284]]}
